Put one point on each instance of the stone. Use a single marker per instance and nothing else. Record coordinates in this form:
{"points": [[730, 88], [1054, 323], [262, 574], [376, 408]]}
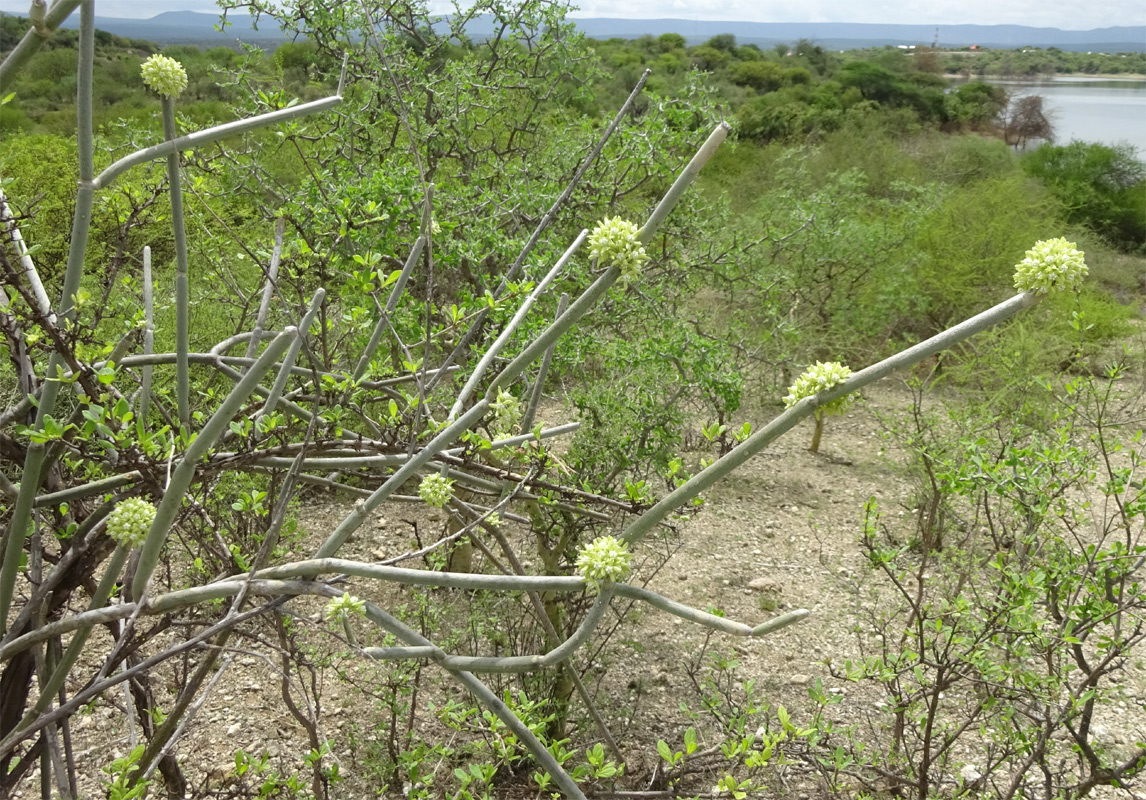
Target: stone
{"points": [[765, 585]]}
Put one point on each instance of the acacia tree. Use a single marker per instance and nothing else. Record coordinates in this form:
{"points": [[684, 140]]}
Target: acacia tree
{"points": [[1024, 119]]}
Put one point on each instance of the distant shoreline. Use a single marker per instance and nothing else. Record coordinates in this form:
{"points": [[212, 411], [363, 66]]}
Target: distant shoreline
{"points": [[1096, 76]]}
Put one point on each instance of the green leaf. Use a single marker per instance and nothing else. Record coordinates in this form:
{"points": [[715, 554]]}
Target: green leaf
{"points": [[664, 750], [690, 741]]}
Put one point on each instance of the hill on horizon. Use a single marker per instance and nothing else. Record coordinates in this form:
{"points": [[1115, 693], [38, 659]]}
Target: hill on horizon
{"points": [[191, 27]]}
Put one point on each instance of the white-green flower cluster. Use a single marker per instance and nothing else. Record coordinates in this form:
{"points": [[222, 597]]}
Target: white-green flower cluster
{"points": [[819, 378], [165, 75], [493, 519], [130, 521], [347, 604], [614, 241], [604, 560], [507, 411], [436, 490], [1051, 264]]}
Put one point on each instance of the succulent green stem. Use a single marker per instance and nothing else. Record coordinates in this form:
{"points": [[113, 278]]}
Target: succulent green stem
{"points": [[709, 476], [818, 432], [148, 337], [87, 489], [182, 292]]}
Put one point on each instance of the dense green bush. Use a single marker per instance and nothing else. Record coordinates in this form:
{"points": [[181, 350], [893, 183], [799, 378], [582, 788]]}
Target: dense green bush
{"points": [[1101, 187], [969, 245]]}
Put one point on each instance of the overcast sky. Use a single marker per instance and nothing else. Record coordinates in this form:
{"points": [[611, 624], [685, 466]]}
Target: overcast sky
{"points": [[1065, 14]]}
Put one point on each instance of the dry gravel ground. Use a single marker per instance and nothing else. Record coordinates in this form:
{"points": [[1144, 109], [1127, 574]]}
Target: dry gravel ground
{"points": [[781, 532]]}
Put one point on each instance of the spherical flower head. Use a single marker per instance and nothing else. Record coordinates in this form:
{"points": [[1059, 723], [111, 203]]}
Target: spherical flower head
{"points": [[130, 521], [165, 75], [819, 378], [436, 490], [1050, 264], [614, 241], [347, 604], [604, 560], [507, 412]]}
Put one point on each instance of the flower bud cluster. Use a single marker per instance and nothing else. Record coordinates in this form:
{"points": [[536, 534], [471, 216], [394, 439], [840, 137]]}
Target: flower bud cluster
{"points": [[130, 521], [1050, 264], [614, 241], [819, 378], [507, 412], [165, 75], [347, 604], [604, 560], [436, 490]]}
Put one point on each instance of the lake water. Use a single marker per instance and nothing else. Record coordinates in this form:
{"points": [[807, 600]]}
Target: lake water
{"points": [[1091, 109]]}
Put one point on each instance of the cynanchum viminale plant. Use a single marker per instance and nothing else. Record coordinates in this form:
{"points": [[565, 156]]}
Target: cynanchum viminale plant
{"points": [[606, 559], [1050, 264], [614, 241], [436, 490], [819, 378], [129, 521], [165, 75]]}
